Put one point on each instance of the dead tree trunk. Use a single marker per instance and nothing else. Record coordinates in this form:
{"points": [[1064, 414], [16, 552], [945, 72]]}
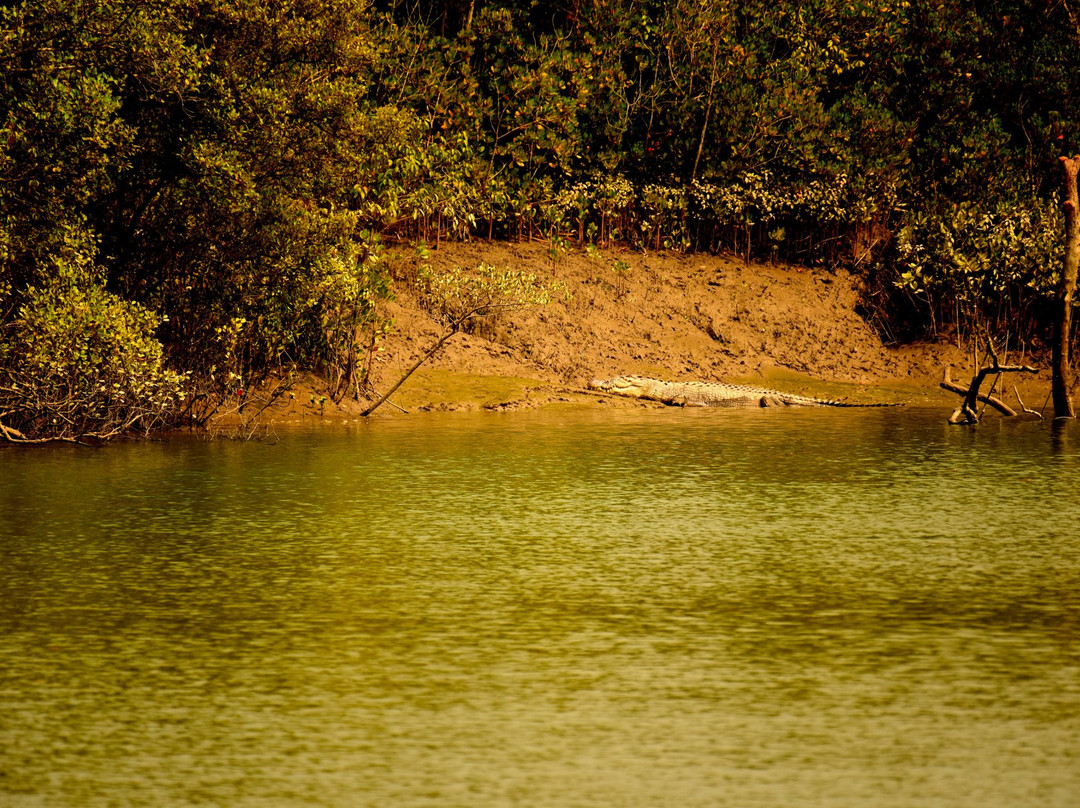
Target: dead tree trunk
{"points": [[967, 412], [1062, 373]]}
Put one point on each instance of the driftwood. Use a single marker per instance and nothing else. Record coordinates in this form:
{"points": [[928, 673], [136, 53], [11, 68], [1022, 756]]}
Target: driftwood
{"points": [[967, 413]]}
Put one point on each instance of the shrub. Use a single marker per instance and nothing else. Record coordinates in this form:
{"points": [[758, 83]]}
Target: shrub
{"points": [[76, 360]]}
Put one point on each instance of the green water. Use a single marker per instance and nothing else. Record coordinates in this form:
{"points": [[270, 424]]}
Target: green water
{"points": [[640, 608]]}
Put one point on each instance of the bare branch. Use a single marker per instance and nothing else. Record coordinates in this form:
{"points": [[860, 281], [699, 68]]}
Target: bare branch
{"points": [[416, 365], [948, 384], [1024, 407], [966, 413]]}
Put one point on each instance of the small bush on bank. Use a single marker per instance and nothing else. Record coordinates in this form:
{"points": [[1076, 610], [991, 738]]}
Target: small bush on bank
{"points": [[76, 360]]}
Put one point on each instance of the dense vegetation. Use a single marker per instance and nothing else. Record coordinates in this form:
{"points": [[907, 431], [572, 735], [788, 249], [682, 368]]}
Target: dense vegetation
{"points": [[195, 193]]}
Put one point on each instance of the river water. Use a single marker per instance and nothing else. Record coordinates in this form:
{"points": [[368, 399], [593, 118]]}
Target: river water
{"points": [[597, 609]]}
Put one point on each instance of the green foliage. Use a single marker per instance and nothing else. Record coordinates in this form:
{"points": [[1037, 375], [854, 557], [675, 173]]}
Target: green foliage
{"points": [[664, 214], [216, 149], [351, 287], [987, 265], [542, 90], [621, 269], [76, 360], [812, 131], [458, 294], [239, 163]]}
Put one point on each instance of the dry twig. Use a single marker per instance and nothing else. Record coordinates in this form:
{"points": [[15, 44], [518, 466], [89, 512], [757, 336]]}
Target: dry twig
{"points": [[1024, 407]]}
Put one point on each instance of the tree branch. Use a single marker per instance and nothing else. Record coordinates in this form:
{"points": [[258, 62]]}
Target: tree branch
{"points": [[1024, 407], [966, 413], [948, 384], [455, 327], [12, 435]]}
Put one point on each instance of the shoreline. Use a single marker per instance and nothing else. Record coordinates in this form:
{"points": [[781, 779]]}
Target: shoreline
{"points": [[671, 316]]}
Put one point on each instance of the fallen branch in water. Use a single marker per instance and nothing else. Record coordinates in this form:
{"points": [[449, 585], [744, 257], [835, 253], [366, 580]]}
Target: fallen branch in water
{"points": [[1024, 407], [948, 384], [966, 413]]}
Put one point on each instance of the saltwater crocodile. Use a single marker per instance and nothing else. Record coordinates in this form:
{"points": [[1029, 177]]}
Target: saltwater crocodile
{"points": [[710, 394]]}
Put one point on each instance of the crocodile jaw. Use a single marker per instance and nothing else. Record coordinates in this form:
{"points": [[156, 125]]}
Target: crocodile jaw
{"points": [[622, 385]]}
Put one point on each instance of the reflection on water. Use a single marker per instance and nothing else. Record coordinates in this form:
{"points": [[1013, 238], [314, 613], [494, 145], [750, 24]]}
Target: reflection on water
{"points": [[642, 608]]}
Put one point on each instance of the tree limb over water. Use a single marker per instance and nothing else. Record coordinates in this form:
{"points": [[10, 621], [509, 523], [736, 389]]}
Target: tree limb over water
{"points": [[967, 413]]}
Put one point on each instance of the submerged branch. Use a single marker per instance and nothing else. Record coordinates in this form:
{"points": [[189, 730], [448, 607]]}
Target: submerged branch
{"points": [[948, 384], [966, 413], [1024, 407], [12, 435]]}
